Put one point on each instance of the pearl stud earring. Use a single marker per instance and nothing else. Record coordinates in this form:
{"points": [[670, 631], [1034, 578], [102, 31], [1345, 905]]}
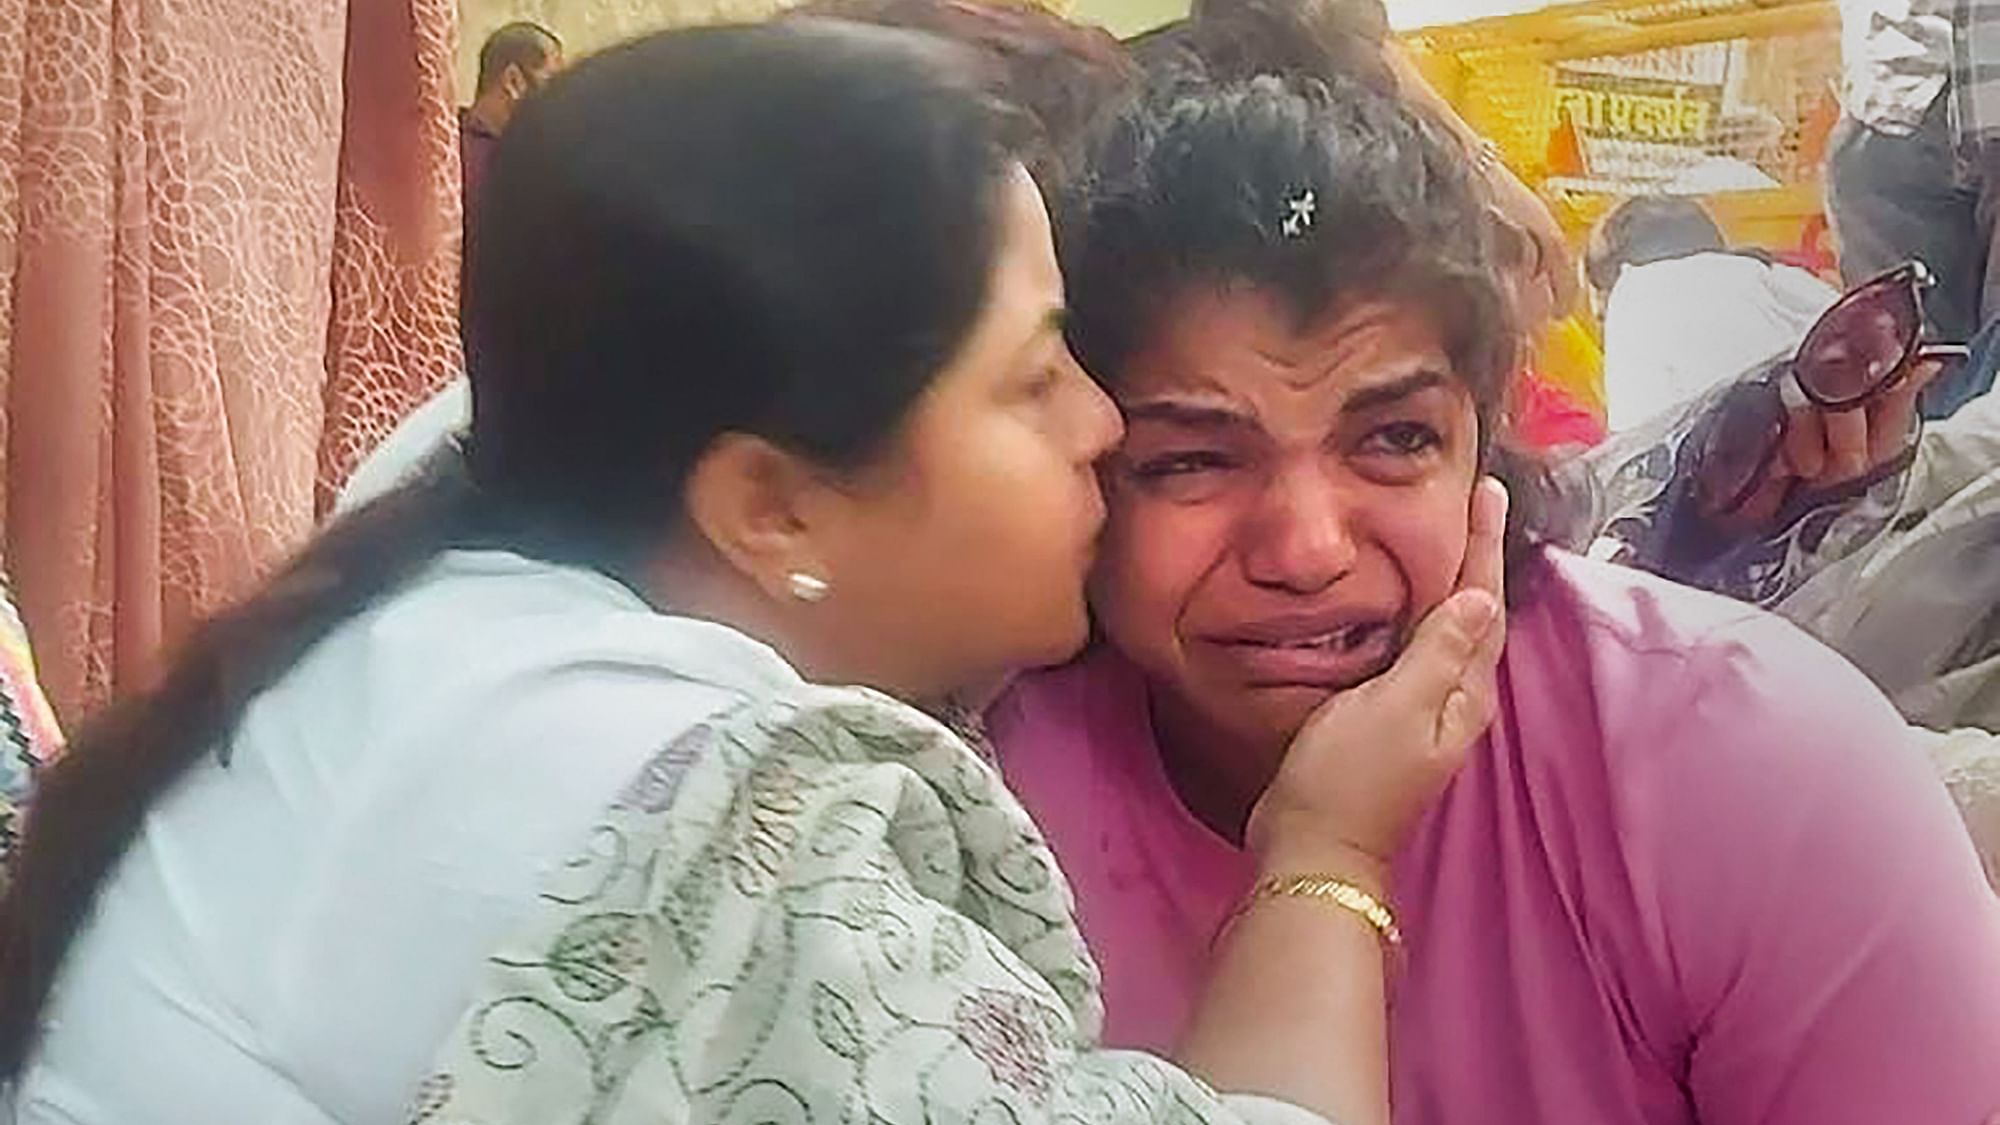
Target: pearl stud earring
{"points": [[808, 587]]}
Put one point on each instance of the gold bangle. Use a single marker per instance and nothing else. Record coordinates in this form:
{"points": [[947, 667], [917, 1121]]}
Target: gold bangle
{"points": [[1339, 892]]}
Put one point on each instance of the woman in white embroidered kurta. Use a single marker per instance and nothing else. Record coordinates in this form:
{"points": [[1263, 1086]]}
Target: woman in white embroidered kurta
{"points": [[493, 806]]}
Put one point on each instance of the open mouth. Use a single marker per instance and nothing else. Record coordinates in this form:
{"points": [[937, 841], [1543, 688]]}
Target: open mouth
{"points": [[1339, 640], [1331, 658]]}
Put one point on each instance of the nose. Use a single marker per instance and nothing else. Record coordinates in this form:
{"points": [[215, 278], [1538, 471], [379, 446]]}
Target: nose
{"points": [[1100, 427], [1299, 539]]}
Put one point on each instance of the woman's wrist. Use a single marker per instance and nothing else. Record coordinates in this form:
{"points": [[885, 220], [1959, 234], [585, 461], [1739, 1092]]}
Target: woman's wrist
{"points": [[1285, 858]]}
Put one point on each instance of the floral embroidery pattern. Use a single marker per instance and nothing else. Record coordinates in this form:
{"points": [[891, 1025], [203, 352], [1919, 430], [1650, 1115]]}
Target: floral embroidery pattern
{"points": [[657, 784], [819, 909], [431, 1098], [1003, 1030]]}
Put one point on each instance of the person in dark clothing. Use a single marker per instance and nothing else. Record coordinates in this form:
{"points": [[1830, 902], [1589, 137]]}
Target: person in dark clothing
{"points": [[515, 61]]}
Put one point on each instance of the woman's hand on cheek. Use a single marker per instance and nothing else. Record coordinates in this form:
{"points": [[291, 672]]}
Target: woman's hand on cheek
{"points": [[1370, 761]]}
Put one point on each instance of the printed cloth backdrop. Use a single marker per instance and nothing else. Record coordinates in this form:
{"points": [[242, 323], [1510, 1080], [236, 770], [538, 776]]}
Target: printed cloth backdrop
{"points": [[228, 256], [228, 265]]}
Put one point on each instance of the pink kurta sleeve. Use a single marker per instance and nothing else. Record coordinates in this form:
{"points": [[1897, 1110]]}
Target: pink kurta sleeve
{"points": [[1835, 942]]}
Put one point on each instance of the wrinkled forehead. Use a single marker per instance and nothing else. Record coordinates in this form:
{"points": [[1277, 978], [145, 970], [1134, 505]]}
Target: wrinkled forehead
{"points": [[1245, 349]]}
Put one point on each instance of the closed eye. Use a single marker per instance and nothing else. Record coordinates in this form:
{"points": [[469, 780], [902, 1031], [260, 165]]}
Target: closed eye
{"points": [[1182, 464], [1044, 381]]}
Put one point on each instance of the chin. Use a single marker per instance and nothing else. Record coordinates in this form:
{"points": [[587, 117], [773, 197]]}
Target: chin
{"points": [[1280, 711], [1058, 641]]}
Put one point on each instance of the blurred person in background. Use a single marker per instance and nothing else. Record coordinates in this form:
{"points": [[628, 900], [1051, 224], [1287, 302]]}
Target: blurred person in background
{"points": [[1876, 537], [1682, 311], [1555, 406], [514, 62], [1893, 183], [1913, 168]]}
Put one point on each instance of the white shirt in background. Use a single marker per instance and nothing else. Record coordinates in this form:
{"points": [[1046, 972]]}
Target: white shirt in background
{"points": [[1676, 328]]}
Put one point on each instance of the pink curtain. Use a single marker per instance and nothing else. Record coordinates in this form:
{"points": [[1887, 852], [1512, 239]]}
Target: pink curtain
{"points": [[394, 337], [169, 181]]}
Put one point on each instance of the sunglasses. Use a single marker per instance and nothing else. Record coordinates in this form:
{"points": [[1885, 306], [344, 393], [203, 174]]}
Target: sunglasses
{"points": [[1863, 346]]}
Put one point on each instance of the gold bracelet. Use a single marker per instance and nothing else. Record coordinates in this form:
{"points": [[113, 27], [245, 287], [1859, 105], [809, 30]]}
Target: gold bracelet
{"points": [[1339, 892]]}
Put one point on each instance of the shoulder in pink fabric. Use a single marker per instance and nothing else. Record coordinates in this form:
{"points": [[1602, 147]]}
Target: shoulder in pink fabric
{"points": [[1698, 873]]}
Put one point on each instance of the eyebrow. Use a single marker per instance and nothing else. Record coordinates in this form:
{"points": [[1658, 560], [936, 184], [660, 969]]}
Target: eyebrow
{"points": [[1208, 414], [1392, 391], [1051, 324], [1053, 321], [1186, 414]]}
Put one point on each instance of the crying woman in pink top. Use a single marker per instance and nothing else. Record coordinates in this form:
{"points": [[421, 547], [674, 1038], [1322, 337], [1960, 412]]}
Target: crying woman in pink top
{"points": [[1693, 875]]}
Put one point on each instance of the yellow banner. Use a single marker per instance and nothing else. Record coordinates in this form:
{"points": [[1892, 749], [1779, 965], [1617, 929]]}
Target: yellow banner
{"points": [[1640, 117]]}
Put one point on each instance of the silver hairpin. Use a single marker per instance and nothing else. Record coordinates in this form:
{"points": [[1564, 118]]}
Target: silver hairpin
{"points": [[1299, 212]]}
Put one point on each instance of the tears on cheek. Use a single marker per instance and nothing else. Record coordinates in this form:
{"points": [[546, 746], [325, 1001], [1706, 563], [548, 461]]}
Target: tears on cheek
{"points": [[1425, 531], [1154, 558]]}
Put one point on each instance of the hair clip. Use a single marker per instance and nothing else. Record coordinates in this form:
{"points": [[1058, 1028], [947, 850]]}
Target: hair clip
{"points": [[1299, 211]]}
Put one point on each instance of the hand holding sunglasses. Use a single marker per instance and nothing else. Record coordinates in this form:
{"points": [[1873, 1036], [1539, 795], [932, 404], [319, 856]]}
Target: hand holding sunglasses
{"points": [[1859, 371]]}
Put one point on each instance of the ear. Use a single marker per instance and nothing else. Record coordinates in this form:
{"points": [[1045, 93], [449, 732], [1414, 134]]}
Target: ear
{"points": [[750, 500], [514, 82]]}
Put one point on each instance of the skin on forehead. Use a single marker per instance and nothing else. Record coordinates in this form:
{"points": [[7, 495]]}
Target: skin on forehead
{"points": [[1256, 366]]}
